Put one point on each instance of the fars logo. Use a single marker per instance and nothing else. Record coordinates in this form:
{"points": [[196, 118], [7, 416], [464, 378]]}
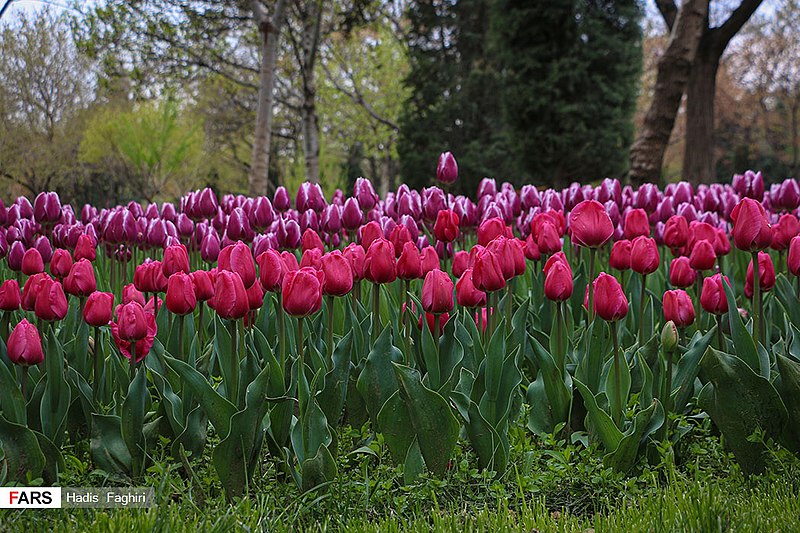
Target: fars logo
{"points": [[30, 497]]}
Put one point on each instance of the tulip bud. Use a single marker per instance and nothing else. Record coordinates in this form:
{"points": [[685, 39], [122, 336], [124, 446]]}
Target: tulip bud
{"points": [[61, 263], [751, 228], [467, 295], [230, 297], [487, 274], [447, 169], [131, 294], [270, 268], [131, 322], [678, 308], [490, 229], [85, 248], [644, 255], [681, 273], [81, 280], [409, 265], [357, 257], [25, 345], [176, 259], [99, 309], [676, 232], [32, 262], [379, 265], [766, 275], [437, 292], [203, 285], [558, 283], [238, 258], [636, 224], [180, 298], [446, 227], [51, 302], [351, 214], [621, 255], [712, 296], [302, 291], [669, 337], [793, 259], [338, 274], [590, 225], [610, 302], [460, 262], [10, 297]]}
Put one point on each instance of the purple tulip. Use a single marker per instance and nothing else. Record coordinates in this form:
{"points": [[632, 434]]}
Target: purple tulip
{"points": [[206, 203], [24, 206], [238, 228], [308, 220], [168, 212], [365, 194], [447, 169], [210, 247], [433, 201], [261, 213], [281, 201], [332, 219], [15, 254], [351, 214], [487, 187], [42, 244]]}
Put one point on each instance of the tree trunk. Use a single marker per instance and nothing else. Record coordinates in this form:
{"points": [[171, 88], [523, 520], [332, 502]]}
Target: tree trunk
{"points": [[270, 31], [674, 67], [699, 159], [312, 18]]}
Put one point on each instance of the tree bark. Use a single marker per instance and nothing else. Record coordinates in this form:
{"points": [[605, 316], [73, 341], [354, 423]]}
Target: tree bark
{"points": [[699, 159], [312, 18], [674, 67], [270, 31]]}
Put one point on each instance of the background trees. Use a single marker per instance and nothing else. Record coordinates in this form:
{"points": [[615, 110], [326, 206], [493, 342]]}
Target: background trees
{"points": [[547, 93]]}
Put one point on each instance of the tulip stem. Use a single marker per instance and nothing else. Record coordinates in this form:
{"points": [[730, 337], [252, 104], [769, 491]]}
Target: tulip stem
{"points": [[592, 253], [667, 400], [509, 304], [98, 365], [281, 330], [617, 414], [180, 337], [233, 389], [4, 325], [720, 338], [330, 332], [24, 383], [560, 355], [407, 320], [133, 359], [642, 296], [300, 342], [376, 311], [756, 300], [200, 327]]}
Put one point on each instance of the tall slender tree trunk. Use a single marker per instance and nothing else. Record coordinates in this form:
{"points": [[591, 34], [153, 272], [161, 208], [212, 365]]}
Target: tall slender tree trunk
{"points": [[674, 68], [312, 19], [699, 159], [270, 31]]}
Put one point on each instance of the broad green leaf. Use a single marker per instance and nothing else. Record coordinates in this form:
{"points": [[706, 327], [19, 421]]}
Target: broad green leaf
{"points": [[742, 339], [219, 410], [789, 389], [644, 423], [132, 420], [740, 402], [398, 431], [109, 451], [377, 380], [432, 418], [22, 452], [602, 424]]}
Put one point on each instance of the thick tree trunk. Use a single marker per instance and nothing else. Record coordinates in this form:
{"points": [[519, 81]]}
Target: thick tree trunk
{"points": [[699, 159], [270, 30], [674, 67], [310, 136]]}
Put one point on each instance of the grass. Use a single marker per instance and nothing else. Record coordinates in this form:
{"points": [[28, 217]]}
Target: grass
{"points": [[551, 486]]}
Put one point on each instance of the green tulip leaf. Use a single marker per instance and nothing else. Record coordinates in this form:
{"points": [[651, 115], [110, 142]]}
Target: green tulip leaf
{"points": [[377, 381], [22, 455]]}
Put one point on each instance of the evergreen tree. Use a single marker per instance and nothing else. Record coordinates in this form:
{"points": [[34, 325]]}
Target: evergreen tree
{"points": [[454, 104], [521, 90]]}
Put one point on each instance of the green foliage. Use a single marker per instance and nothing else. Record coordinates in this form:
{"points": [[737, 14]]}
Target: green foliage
{"points": [[157, 144], [516, 89]]}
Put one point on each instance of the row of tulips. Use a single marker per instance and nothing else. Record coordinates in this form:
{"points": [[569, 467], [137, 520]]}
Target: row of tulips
{"points": [[426, 335]]}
